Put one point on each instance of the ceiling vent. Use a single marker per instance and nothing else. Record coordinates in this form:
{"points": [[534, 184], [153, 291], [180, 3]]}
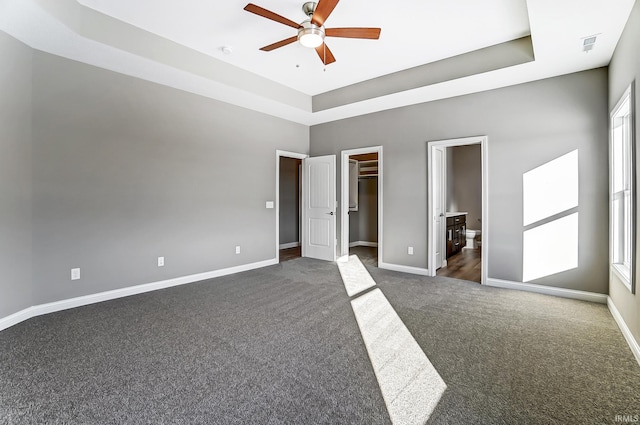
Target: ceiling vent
{"points": [[588, 43]]}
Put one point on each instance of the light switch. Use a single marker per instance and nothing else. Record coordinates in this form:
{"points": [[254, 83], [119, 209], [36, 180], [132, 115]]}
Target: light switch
{"points": [[269, 204]]}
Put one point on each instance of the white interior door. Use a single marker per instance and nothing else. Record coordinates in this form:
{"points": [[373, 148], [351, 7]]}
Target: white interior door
{"points": [[439, 220], [319, 207]]}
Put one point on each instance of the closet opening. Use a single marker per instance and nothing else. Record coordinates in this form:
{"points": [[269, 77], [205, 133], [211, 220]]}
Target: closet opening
{"points": [[361, 196]]}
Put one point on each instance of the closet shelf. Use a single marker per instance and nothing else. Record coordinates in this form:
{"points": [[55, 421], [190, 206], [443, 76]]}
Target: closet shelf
{"points": [[368, 169]]}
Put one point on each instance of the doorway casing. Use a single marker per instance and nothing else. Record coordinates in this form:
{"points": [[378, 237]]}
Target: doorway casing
{"points": [[280, 154], [432, 192], [344, 198]]}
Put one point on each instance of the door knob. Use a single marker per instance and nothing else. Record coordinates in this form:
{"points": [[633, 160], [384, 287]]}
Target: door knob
{"points": [[330, 213]]}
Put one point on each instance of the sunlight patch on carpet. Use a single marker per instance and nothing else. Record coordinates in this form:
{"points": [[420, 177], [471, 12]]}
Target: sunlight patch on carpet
{"points": [[355, 276], [410, 385]]}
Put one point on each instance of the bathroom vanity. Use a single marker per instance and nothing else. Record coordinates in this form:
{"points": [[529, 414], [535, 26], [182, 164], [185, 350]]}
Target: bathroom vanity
{"points": [[456, 232]]}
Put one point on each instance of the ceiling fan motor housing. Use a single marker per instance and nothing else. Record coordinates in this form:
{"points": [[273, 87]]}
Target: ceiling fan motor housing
{"points": [[309, 7]]}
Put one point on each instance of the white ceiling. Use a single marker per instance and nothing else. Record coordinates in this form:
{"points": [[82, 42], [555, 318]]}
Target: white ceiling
{"points": [[412, 34], [281, 83]]}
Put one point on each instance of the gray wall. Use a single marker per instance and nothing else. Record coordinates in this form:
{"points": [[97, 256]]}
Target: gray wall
{"points": [[126, 170], [464, 182], [289, 200], [363, 224], [15, 176], [625, 68], [527, 125]]}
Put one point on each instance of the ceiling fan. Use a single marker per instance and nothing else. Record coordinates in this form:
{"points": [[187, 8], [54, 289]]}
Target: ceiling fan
{"points": [[311, 32]]}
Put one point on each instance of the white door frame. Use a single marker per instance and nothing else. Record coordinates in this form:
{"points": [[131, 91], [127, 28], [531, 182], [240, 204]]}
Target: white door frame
{"points": [[280, 154], [483, 141], [344, 196], [442, 249]]}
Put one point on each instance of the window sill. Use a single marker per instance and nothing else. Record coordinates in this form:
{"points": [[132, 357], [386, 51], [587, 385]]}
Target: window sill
{"points": [[622, 273]]}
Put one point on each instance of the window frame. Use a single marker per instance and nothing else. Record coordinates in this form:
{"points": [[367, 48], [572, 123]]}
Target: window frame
{"points": [[625, 269]]}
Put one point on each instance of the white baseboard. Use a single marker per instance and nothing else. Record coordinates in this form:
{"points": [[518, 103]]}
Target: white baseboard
{"points": [[626, 332], [549, 290], [15, 318], [41, 309], [404, 269], [363, 243], [289, 245]]}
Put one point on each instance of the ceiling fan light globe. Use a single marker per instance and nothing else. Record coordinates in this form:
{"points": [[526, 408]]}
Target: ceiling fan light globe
{"points": [[310, 35], [310, 40]]}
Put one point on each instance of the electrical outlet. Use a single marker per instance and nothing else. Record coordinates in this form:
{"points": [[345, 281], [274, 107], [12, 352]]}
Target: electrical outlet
{"points": [[238, 249], [160, 261], [75, 274], [410, 250], [270, 204]]}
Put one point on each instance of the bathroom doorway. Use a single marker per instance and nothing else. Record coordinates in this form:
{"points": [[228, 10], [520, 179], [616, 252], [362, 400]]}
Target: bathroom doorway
{"points": [[457, 208]]}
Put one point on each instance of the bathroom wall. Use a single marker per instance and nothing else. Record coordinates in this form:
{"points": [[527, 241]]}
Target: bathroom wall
{"points": [[464, 182]]}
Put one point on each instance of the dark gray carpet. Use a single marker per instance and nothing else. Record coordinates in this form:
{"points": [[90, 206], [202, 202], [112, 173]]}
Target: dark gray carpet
{"points": [[276, 345], [511, 357], [281, 345]]}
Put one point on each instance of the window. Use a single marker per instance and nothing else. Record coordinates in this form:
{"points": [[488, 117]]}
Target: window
{"points": [[622, 193]]}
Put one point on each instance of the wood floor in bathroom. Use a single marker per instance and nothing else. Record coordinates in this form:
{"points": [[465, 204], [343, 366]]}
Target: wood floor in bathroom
{"points": [[465, 265]]}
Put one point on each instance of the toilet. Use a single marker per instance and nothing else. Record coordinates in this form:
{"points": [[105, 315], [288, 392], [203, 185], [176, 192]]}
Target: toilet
{"points": [[472, 243]]}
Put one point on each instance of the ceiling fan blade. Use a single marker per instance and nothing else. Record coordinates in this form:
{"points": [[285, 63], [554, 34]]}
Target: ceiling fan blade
{"points": [[325, 54], [280, 43], [260, 11], [323, 10], [371, 33]]}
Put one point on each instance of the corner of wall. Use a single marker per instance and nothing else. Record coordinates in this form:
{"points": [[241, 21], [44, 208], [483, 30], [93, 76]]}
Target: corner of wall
{"points": [[16, 191]]}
